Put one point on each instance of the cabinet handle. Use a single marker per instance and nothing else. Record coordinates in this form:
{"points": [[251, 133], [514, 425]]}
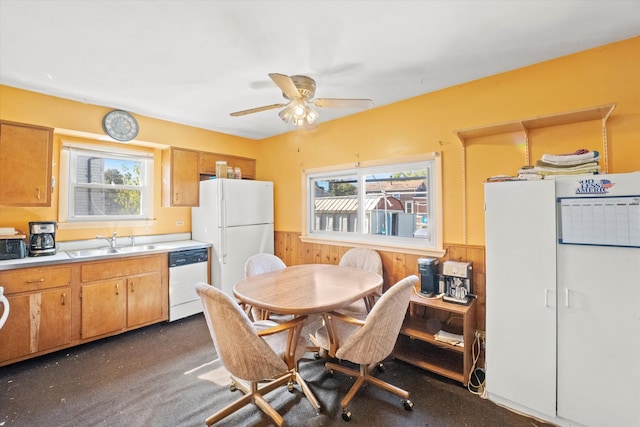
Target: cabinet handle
{"points": [[35, 280], [64, 298], [566, 297], [546, 297], [117, 289], [132, 283], [38, 196]]}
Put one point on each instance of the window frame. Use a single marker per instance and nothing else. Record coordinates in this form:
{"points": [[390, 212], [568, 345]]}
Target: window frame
{"points": [[434, 247], [67, 186]]}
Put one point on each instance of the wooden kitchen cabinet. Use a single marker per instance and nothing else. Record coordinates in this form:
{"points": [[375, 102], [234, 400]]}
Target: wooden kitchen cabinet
{"points": [[208, 164], [40, 312], [144, 299], [26, 152], [123, 294], [180, 177]]}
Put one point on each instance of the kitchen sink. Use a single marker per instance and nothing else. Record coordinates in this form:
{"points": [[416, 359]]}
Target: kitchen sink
{"points": [[86, 253], [140, 248]]}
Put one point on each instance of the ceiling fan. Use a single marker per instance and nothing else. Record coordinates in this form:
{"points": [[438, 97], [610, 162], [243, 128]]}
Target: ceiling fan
{"points": [[299, 91]]}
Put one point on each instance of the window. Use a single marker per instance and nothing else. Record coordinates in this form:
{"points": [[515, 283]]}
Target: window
{"points": [[395, 204], [114, 185]]}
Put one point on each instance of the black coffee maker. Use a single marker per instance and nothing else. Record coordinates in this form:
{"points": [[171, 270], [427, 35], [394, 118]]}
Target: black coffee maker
{"points": [[42, 240]]}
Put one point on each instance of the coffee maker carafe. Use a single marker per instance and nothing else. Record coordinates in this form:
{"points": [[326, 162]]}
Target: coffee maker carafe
{"points": [[42, 240]]}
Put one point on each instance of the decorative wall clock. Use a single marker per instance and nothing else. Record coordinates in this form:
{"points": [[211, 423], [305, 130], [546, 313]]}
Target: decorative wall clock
{"points": [[120, 125]]}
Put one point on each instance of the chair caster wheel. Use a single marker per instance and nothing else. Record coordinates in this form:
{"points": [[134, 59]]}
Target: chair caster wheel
{"points": [[232, 387], [380, 367], [346, 415], [408, 405], [330, 373], [290, 387]]}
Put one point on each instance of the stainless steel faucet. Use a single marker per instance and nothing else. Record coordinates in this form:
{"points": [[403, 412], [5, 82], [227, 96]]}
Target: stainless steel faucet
{"points": [[133, 240], [111, 240]]}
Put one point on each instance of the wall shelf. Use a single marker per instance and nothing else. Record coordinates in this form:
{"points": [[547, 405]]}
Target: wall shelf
{"points": [[600, 112]]}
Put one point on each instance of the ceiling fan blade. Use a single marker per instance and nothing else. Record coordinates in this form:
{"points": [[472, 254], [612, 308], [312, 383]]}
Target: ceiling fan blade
{"points": [[257, 110], [342, 103], [287, 85]]}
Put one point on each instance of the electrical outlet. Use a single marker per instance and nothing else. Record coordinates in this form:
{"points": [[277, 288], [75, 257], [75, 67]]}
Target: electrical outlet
{"points": [[481, 335]]}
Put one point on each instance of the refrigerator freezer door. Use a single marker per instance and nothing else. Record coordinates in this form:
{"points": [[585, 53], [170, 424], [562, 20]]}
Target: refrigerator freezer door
{"points": [[237, 245], [246, 202]]}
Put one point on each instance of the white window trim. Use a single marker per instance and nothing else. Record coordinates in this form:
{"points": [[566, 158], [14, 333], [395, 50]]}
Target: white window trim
{"points": [[438, 245], [63, 199]]}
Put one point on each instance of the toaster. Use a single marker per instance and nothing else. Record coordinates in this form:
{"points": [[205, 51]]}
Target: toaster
{"points": [[12, 248]]}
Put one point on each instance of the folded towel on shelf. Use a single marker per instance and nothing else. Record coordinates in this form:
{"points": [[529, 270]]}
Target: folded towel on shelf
{"points": [[571, 159], [588, 168]]}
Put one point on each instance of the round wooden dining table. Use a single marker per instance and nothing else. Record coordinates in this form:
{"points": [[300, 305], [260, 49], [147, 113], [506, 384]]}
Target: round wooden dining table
{"points": [[307, 288]]}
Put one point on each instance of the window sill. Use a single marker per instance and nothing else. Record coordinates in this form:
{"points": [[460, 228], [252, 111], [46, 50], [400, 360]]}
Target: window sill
{"points": [[414, 250], [106, 223]]}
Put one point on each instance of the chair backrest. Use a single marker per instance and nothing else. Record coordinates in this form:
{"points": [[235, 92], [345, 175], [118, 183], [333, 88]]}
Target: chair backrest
{"points": [[243, 353], [362, 258], [374, 341], [262, 263]]}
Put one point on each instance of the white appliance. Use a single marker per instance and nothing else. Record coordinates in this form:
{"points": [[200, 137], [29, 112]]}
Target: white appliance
{"points": [[186, 268], [563, 291], [236, 217]]}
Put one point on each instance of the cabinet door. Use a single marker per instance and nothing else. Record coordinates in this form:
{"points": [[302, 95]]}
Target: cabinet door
{"points": [[103, 308], [25, 152], [521, 279], [144, 299], [15, 336], [184, 178], [598, 335], [54, 327]]}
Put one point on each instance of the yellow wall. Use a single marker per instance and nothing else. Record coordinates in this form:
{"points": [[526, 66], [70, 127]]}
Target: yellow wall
{"points": [[29, 107], [607, 74], [426, 123]]}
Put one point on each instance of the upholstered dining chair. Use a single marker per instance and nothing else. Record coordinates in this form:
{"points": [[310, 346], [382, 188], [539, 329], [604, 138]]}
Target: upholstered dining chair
{"points": [[368, 342], [265, 359], [368, 260], [258, 264]]}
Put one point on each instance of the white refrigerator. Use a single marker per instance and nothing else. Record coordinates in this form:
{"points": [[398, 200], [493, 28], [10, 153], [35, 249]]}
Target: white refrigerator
{"points": [[562, 298], [236, 217]]}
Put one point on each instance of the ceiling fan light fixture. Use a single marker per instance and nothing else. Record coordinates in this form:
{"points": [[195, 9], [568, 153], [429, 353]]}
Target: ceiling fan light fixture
{"points": [[312, 115], [299, 111]]}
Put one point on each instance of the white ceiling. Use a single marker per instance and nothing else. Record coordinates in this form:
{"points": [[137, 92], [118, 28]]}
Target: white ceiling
{"points": [[195, 61]]}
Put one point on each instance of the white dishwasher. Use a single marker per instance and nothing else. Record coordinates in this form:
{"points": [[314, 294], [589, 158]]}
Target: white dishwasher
{"points": [[186, 268]]}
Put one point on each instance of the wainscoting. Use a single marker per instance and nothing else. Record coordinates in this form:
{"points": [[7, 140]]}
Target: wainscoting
{"points": [[397, 265]]}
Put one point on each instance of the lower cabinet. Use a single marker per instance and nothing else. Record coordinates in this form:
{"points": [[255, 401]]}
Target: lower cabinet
{"points": [[40, 312], [122, 294], [52, 308]]}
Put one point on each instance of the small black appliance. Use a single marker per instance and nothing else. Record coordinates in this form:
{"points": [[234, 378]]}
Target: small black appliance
{"points": [[42, 239], [428, 269]]}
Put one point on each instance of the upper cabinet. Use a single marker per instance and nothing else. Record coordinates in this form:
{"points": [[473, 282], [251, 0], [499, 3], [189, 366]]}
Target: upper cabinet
{"points": [[182, 170], [208, 164], [180, 177], [25, 164]]}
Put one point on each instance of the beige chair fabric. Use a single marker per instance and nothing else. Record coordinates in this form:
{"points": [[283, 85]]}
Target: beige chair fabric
{"points": [[367, 260], [259, 264], [251, 355], [369, 342]]}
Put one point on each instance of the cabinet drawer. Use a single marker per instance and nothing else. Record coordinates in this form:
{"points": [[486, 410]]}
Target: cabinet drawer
{"points": [[100, 270], [32, 279]]}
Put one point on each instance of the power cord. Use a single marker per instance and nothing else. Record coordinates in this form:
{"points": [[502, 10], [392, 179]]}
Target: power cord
{"points": [[477, 376]]}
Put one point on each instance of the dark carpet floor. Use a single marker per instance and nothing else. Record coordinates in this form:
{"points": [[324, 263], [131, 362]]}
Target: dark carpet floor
{"points": [[168, 375]]}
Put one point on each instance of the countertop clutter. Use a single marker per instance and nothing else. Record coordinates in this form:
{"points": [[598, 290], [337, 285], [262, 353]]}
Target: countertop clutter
{"points": [[91, 250]]}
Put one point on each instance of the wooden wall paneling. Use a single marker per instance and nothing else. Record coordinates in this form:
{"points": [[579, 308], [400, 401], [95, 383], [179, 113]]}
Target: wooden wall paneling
{"points": [[396, 265]]}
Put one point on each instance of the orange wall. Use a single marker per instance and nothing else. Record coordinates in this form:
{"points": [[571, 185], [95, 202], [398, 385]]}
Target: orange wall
{"points": [[608, 74]]}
